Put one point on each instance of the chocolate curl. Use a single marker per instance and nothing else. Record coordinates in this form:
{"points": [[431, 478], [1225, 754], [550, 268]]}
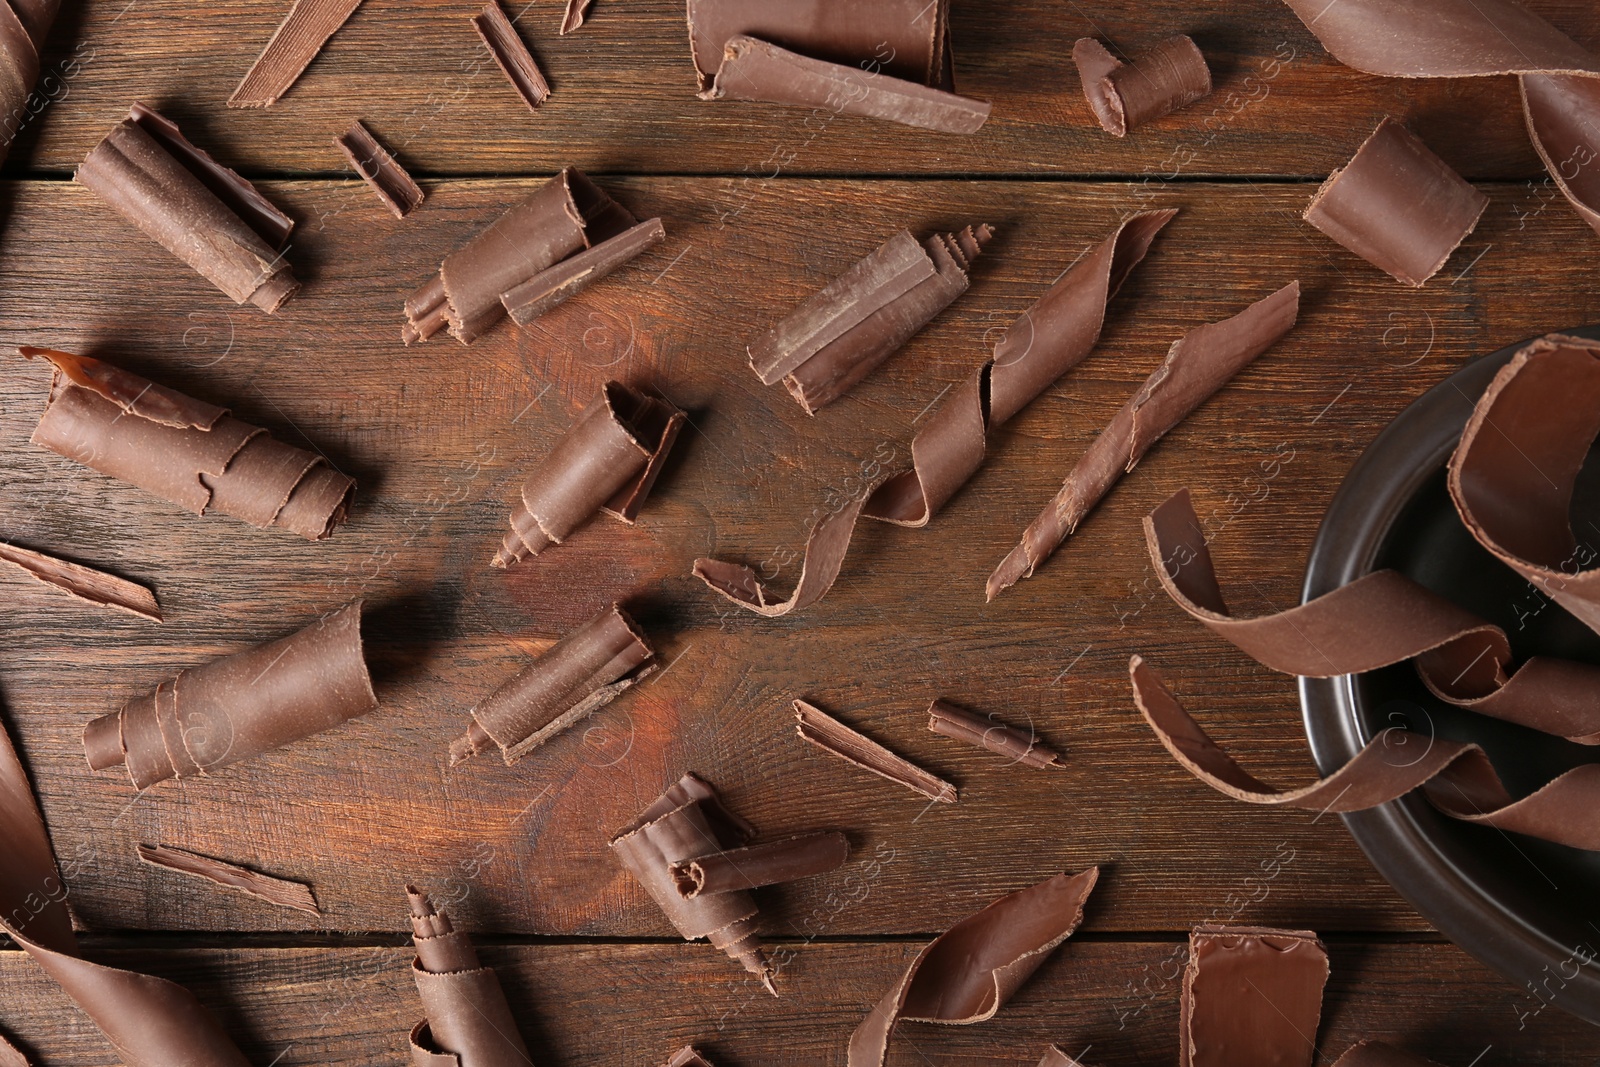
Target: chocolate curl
{"points": [[85, 583], [239, 706], [833, 736], [607, 461], [1397, 205], [1513, 474], [511, 55], [280, 891], [1054, 1057], [1377, 1054], [1197, 365], [1171, 75], [1457, 777], [688, 1056], [23, 28], [1008, 741], [1560, 80], [468, 1022], [200, 211], [688, 821], [1252, 997], [292, 47], [574, 15], [754, 866], [582, 672], [966, 974], [151, 1022], [573, 275], [819, 566], [382, 173], [11, 1056], [183, 450]]}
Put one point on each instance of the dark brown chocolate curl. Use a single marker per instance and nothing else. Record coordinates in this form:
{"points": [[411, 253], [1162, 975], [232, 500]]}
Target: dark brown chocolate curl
{"points": [[239, 706], [1171, 75], [1397, 205], [576, 273], [511, 55], [280, 891], [582, 672], [467, 1020], [831, 735], [85, 583], [753, 866], [819, 566], [23, 28], [292, 47], [1252, 997], [183, 450], [685, 823], [195, 208], [607, 461], [1018, 746], [387, 178]]}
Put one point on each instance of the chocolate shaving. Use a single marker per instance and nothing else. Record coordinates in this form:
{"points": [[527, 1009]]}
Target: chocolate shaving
{"points": [[294, 44], [200, 211], [183, 450], [824, 555], [1397, 205], [23, 28], [573, 275], [582, 672], [1008, 741], [280, 891], [239, 706], [1377, 1054], [686, 822], [757, 865], [511, 55], [688, 1056], [379, 170], [85, 583], [966, 974], [831, 735], [1252, 997], [1513, 474], [467, 1022], [1054, 1057], [576, 12], [607, 461], [1197, 365], [1171, 75]]}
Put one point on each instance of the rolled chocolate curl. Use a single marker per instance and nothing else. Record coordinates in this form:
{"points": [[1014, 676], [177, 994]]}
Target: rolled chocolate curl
{"points": [[200, 211], [754, 866], [686, 822], [1252, 997], [380, 170], [185, 451], [1016, 745], [84, 583], [239, 706], [584, 671], [23, 28], [607, 461], [1171, 75], [525, 246], [467, 1021], [511, 55]]}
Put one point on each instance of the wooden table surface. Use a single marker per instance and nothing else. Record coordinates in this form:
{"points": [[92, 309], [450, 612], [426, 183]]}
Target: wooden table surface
{"points": [[761, 206]]}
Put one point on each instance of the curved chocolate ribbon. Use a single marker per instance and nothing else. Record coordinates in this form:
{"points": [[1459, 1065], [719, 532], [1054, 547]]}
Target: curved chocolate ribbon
{"points": [[1560, 80], [24, 24], [1171, 75], [1513, 474], [467, 1022], [183, 450]]}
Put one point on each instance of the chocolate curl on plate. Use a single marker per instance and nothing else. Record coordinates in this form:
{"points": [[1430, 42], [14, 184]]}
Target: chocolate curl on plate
{"points": [[386, 177], [966, 974], [85, 583], [283, 892], [532, 244], [831, 735], [1171, 75], [686, 822], [1252, 997], [1397, 205], [1457, 777], [239, 706], [23, 28], [1377, 1054], [607, 461], [467, 1021], [1197, 365], [195, 208], [584, 671], [150, 1021], [1560, 79], [1016, 745], [183, 450], [511, 55], [753, 866], [1513, 474], [292, 47], [688, 1056]]}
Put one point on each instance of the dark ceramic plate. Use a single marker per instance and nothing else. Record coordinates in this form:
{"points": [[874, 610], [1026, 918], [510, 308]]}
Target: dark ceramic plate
{"points": [[1524, 907]]}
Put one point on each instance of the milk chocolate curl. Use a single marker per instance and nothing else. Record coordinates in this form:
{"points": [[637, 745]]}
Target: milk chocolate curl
{"points": [[754, 866], [467, 1021], [966, 974], [11, 1056], [573, 275], [1197, 365], [1377, 1054], [85, 583], [573, 16], [1513, 474], [1397, 205], [1019, 746], [688, 1056], [819, 566], [386, 177], [1171, 75], [23, 28], [280, 891], [239, 706], [183, 450], [292, 47], [511, 55], [1054, 1057], [831, 735], [584, 671], [195, 208], [686, 822], [1252, 997]]}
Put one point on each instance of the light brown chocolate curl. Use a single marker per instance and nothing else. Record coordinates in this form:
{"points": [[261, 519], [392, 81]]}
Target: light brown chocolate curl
{"points": [[1171, 75], [280, 891], [831, 735], [292, 47], [770, 863], [1018, 746], [511, 55], [85, 583], [380, 170], [467, 1022], [1252, 997]]}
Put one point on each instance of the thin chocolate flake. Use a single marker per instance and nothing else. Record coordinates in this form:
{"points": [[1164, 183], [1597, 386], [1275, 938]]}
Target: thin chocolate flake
{"points": [[380, 170], [294, 44], [1252, 997], [686, 822], [283, 892], [1377, 1054], [1019, 746], [1197, 365], [1054, 1057], [466, 1020], [183, 450], [239, 706], [85, 583], [831, 735], [23, 28], [582, 672], [576, 12], [966, 974], [688, 1056], [1171, 75], [824, 555], [200, 211], [573, 275], [511, 55], [754, 866]]}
